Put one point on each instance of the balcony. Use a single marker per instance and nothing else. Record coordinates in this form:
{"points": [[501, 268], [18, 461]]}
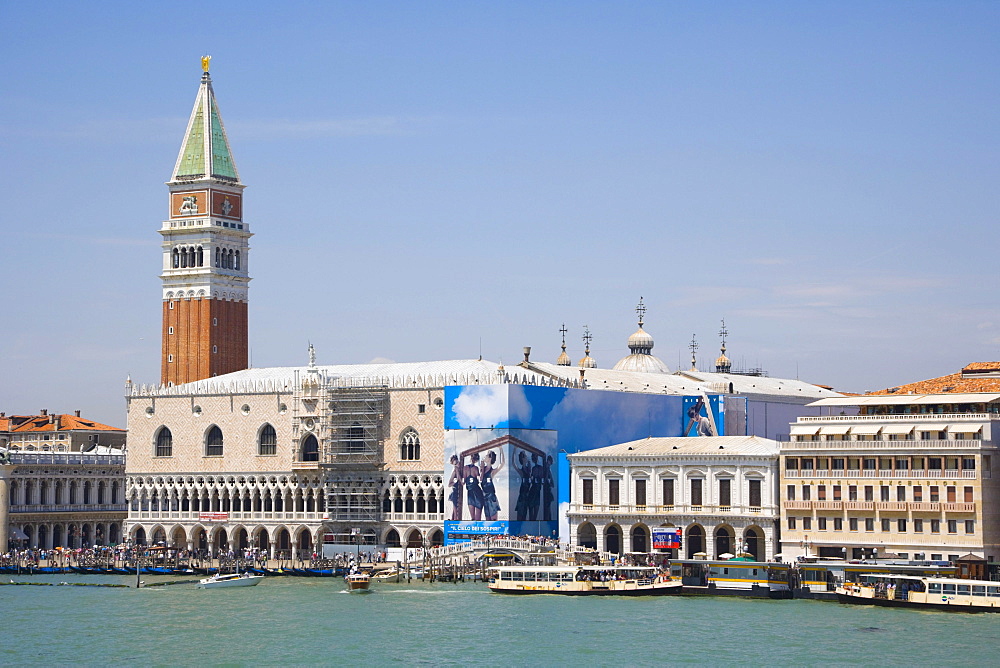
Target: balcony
{"points": [[895, 506], [305, 466], [798, 505], [859, 505], [969, 474], [902, 444], [828, 505], [924, 507], [958, 507], [651, 510], [69, 508]]}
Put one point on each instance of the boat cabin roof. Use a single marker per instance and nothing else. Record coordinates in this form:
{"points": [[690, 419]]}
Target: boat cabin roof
{"points": [[570, 568], [884, 577]]}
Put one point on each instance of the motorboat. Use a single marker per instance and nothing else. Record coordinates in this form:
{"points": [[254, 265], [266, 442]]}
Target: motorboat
{"points": [[582, 580], [358, 582], [230, 580]]}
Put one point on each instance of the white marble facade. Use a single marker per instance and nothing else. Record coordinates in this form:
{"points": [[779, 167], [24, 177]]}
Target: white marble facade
{"points": [[720, 491]]}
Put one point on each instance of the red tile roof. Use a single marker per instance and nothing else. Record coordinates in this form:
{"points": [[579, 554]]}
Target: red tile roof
{"points": [[41, 423], [964, 381]]}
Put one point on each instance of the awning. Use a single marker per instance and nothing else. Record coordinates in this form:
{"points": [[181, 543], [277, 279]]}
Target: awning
{"points": [[865, 429], [17, 534], [910, 399], [933, 427], [836, 429], [898, 428], [964, 428], [804, 429]]}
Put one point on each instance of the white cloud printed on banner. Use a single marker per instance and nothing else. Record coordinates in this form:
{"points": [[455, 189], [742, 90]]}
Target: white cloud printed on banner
{"points": [[484, 406]]}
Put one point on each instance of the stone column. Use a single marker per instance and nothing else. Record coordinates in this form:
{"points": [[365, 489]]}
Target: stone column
{"points": [[5, 472]]}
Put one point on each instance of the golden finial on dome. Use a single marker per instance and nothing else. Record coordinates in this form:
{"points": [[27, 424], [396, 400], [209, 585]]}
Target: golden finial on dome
{"points": [[204, 63]]}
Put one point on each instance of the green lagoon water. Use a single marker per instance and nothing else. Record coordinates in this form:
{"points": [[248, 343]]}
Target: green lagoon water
{"points": [[306, 621]]}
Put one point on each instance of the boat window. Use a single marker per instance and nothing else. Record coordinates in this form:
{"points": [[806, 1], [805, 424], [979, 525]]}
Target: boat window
{"points": [[506, 575], [934, 588], [963, 589], [994, 591], [517, 576], [978, 590], [947, 588]]}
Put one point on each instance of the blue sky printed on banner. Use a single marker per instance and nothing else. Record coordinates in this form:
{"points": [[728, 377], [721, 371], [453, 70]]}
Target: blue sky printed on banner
{"points": [[585, 419]]}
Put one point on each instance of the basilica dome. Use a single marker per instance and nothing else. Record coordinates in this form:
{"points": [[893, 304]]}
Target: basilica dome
{"points": [[640, 346]]}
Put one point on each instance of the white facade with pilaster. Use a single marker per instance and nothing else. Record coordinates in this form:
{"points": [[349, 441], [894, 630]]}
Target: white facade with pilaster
{"points": [[722, 492]]}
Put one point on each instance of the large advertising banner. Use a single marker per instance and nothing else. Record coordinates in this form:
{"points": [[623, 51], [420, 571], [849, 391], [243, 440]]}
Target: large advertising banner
{"points": [[500, 482], [704, 415], [532, 466]]}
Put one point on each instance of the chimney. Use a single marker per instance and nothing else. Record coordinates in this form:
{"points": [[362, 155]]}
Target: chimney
{"points": [[76, 413], [527, 354], [45, 411], [52, 419]]}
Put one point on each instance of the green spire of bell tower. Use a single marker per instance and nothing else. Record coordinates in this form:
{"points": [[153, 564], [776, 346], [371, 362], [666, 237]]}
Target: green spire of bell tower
{"points": [[205, 153]]}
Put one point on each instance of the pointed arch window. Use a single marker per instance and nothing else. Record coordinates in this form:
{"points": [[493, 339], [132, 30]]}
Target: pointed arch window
{"points": [[213, 442], [267, 442], [409, 445], [164, 443], [310, 449]]}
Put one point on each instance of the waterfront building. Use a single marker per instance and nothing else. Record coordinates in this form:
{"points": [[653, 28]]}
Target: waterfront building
{"points": [[62, 481], [719, 492], [893, 474], [283, 458]]}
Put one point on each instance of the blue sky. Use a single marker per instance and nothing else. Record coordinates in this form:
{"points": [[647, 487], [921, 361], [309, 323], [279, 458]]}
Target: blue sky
{"points": [[428, 180]]}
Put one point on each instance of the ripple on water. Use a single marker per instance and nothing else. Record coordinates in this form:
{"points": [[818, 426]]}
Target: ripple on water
{"points": [[307, 621]]}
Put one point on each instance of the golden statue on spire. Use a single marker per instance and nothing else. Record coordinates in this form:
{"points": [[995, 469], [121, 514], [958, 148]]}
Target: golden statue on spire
{"points": [[204, 62]]}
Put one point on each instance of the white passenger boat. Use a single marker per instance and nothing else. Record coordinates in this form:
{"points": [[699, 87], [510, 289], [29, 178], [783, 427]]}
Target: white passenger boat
{"points": [[582, 580], [358, 582], [922, 592], [230, 580]]}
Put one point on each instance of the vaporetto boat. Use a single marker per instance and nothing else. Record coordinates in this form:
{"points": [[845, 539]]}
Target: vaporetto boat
{"points": [[582, 580], [922, 592]]}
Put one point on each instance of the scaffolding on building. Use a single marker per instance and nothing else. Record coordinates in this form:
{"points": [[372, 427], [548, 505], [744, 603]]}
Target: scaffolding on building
{"points": [[353, 457]]}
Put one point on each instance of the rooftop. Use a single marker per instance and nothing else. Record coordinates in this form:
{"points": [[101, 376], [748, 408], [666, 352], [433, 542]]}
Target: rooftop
{"points": [[974, 377], [722, 446]]}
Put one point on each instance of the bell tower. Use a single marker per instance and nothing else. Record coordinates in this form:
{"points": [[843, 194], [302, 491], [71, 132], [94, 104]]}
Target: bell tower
{"points": [[205, 253]]}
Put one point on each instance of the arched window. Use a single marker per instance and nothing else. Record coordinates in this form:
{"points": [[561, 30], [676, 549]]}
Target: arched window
{"points": [[237, 260], [409, 445], [217, 256], [213, 442], [310, 449], [177, 259], [184, 257], [164, 443], [267, 442], [229, 261], [201, 256]]}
